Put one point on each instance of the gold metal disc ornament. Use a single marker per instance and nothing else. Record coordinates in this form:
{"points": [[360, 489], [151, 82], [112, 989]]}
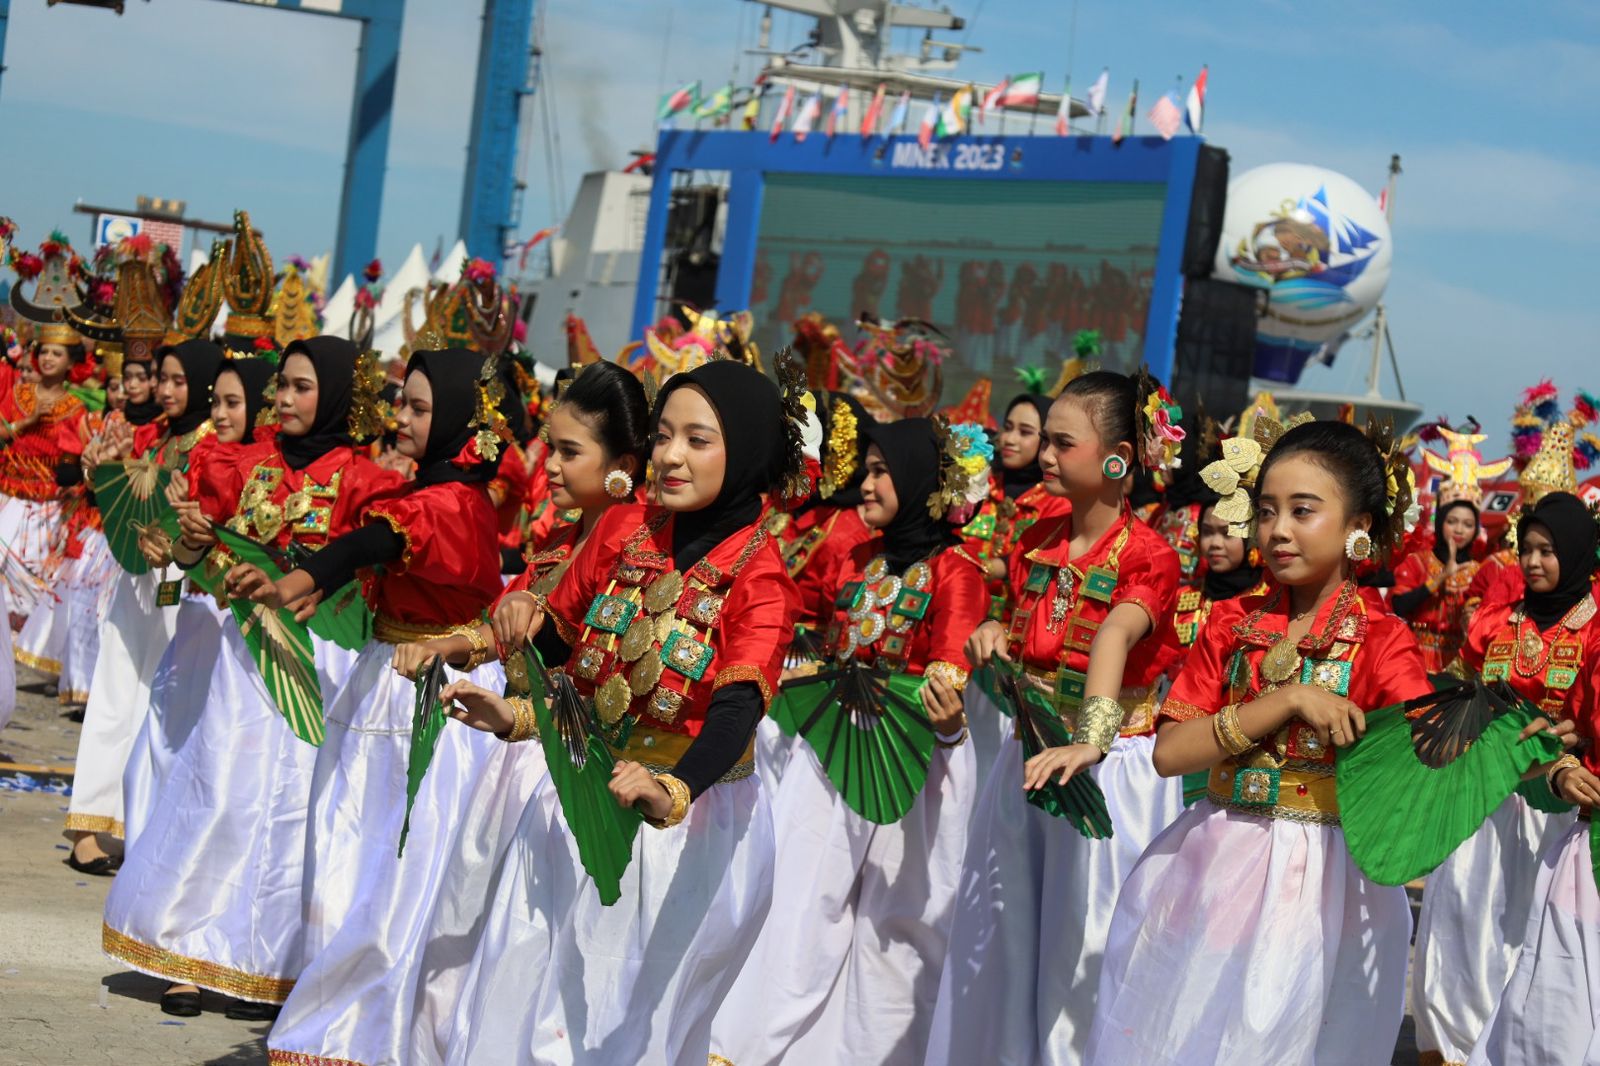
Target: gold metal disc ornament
{"points": [[646, 673], [638, 639], [1281, 662], [663, 593], [612, 699]]}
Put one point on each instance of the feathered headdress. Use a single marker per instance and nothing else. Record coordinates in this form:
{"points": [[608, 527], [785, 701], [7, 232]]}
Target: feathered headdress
{"points": [[1550, 446], [903, 365]]}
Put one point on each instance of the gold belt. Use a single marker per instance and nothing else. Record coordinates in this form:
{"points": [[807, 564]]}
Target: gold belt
{"points": [[393, 631], [1138, 705], [659, 750], [1298, 795]]}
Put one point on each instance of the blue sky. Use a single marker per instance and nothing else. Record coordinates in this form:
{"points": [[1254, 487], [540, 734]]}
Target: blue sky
{"points": [[1489, 105]]}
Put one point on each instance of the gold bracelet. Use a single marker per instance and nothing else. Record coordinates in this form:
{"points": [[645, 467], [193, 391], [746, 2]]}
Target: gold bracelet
{"points": [[481, 652], [949, 672], [525, 725], [680, 802], [1099, 722], [1568, 761], [956, 743], [1230, 735]]}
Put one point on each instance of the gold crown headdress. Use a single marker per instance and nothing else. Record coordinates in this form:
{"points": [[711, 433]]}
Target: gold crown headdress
{"points": [[247, 284], [202, 298], [138, 315], [369, 414], [707, 338], [57, 273], [488, 419], [1462, 466], [472, 313], [1234, 475], [293, 316]]}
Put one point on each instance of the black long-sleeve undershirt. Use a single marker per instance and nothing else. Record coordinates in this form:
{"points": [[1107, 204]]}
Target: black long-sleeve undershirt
{"points": [[336, 564], [1406, 604], [730, 723]]}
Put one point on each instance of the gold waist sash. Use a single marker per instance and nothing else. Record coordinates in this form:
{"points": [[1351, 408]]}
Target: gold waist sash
{"points": [[393, 631], [659, 750], [1298, 795], [1138, 705]]}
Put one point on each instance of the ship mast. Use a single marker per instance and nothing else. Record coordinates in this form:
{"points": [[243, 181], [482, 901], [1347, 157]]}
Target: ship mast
{"points": [[1380, 320]]}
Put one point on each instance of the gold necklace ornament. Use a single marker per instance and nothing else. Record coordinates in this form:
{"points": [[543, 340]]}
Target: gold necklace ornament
{"points": [[1282, 660]]}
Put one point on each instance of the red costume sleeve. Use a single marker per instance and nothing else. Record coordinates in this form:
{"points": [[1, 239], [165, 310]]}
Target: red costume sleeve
{"points": [[1199, 687], [450, 568], [591, 567], [1148, 576], [960, 604], [757, 624], [1410, 575], [1390, 663], [1488, 621]]}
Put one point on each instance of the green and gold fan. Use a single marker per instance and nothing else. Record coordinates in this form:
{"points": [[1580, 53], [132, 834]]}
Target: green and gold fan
{"points": [[989, 684], [280, 646], [1428, 773], [869, 731], [1080, 800], [132, 497], [343, 617], [580, 769], [427, 722]]}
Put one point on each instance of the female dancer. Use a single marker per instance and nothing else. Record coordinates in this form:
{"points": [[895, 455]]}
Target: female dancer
{"points": [[1430, 587], [1092, 623], [137, 629], [1547, 647], [1246, 929], [1233, 569], [598, 443], [211, 894], [639, 981], [847, 965]]}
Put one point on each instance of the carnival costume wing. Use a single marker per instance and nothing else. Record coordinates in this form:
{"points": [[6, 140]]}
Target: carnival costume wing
{"points": [[869, 731], [132, 496], [1428, 773], [580, 769], [280, 645], [1080, 800], [427, 722]]}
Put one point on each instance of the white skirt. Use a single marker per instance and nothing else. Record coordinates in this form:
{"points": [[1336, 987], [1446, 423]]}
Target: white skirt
{"points": [[1474, 912], [29, 533], [41, 644], [1033, 911], [136, 635], [1240, 938], [560, 979], [88, 600], [1549, 1014], [989, 728], [8, 667], [847, 966], [367, 911], [177, 700], [774, 749], [211, 893]]}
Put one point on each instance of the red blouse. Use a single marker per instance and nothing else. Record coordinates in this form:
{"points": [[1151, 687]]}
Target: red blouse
{"points": [[547, 563], [1440, 622], [1498, 580], [907, 621], [261, 497], [1555, 670], [815, 557], [731, 619], [1060, 605], [28, 463], [450, 568], [999, 525]]}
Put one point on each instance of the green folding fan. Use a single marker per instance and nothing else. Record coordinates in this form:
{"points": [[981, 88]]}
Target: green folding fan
{"points": [[869, 731], [343, 617], [1594, 851], [280, 646], [132, 497], [989, 684], [1428, 773], [427, 723], [580, 769], [1080, 800]]}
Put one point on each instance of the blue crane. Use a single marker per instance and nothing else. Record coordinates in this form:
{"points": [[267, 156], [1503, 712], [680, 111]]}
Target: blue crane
{"points": [[489, 200]]}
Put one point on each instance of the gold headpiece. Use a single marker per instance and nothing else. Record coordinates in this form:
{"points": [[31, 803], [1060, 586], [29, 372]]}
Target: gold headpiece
{"points": [[202, 298], [488, 419], [369, 415], [58, 272], [707, 338], [842, 455], [247, 282], [138, 315], [56, 333], [902, 365], [1463, 467], [1234, 475], [792, 391], [293, 317]]}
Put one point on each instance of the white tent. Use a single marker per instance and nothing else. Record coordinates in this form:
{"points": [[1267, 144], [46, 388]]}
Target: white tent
{"points": [[336, 313], [449, 270]]}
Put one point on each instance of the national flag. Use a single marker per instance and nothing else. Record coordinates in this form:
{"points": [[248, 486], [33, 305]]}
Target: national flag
{"points": [[1195, 106], [783, 112], [1125, 120], [717, 104], [679, 99], [836, 113], [1166, 116], [930, 121], [992, 98], [953, 119], [902, 111], [1023, 91], [1064, 112], [869, 121], [1383, 199], [810, 111], [1097, 92], [752, 108]]}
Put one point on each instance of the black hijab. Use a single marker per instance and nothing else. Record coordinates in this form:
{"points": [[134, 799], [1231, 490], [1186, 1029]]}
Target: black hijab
{"points": [[334, 359], [453, 375], [910, 450], [751, 412], [1441, 549], [1235, 582], [1016, 482], [255, 375], [1572, 528], [201, 360], [142, 414]]}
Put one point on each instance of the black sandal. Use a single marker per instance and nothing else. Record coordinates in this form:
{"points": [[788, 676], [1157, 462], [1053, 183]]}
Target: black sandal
{"points": [[244, 1010], [104, 866], [180, 1004]]}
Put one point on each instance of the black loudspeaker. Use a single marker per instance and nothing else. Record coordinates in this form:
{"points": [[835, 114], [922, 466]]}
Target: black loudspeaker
{"points": [[1216, 347], [1206, 206]]}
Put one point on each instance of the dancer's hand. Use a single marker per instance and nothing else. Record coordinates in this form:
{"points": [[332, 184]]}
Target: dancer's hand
{"points": [[634, 786], [987, 642], [478, 707], [1576, 784], [194, 527], [302, 607], [1058, 763], [516, 620], [1333, 717], [943, 704], [247, 581]]}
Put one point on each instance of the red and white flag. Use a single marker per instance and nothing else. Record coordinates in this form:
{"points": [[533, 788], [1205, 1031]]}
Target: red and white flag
{"points": [[869, 122], [1064, 112], [783, 112], [1166, 116], [836, 112], [810, 111], [992, 98], [930, 122], [1195, 106]]}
